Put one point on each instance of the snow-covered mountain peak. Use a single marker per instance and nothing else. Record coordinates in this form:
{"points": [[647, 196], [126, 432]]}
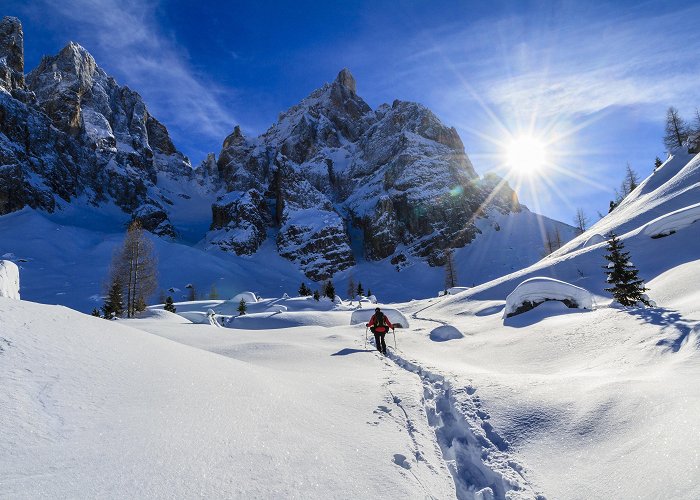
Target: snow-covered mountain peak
{"points": [[346, 79]]}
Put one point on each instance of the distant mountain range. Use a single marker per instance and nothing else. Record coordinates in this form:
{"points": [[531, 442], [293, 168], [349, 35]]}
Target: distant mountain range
{"points": [[330, 184]]}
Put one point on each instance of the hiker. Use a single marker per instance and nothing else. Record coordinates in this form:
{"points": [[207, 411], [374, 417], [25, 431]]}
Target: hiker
{"points": [[379, 324]]}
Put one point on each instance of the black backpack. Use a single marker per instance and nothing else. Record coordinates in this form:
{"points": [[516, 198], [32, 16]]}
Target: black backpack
{"points": [[379, 319]]}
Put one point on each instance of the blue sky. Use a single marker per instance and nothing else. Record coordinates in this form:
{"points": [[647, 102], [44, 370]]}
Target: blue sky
{"points": [[591, 79]]}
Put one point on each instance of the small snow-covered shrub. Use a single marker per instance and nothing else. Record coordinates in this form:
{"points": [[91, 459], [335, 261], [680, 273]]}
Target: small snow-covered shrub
{"points": [[396, 317], [534, 291]]}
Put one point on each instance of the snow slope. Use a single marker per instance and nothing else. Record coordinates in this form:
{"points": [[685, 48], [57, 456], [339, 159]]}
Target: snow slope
{"points": [[91, 408], [64, 258]]}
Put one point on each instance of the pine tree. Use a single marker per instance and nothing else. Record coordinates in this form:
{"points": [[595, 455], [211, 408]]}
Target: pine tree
{"points": [[213, 292], [329, 290], [351, 289], [95, 312], [369, 292], [630, 182], [242, 307], [135, 264], [580, 221], [657, 163], [114, 305], [676, 129], [169, 305], [450, 273], [360, 289], [192, 295], [628, 288], [304, 291], [317, 296]]}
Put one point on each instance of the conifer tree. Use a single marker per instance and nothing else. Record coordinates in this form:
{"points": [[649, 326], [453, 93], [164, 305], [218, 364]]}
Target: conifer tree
{"points": [[369, 292], [360, 289], [242, 307], [580, 221], [304, 291], [317, 296], [329, 290], [114, 305], [95, 312], [134, 265], [169, 305], [676, 129], [450, 272], [351, 288], [627, 288], [657, 163]]}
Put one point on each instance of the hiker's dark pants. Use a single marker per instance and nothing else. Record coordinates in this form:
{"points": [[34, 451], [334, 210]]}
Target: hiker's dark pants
{"points": [[379, 341]]}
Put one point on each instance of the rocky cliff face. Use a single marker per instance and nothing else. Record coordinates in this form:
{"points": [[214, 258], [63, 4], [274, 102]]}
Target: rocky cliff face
{"points": [[396, 174], [395, 178], [73, 131]]}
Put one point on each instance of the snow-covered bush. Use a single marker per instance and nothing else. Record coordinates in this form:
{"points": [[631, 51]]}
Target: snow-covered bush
{"points": [[670, 223], [9, 279], [247, 296], [396, 317], [532, 292]]}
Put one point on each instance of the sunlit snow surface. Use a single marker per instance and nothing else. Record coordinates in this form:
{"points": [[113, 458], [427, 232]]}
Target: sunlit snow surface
{"points": [[558, 402]]}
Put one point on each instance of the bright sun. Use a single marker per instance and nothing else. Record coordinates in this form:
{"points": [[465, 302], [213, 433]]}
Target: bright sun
{"points": [[526, 154]]}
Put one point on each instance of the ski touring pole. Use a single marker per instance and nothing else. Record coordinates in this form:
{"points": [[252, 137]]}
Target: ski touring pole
{"points": [[393, 330], [365, 338]]}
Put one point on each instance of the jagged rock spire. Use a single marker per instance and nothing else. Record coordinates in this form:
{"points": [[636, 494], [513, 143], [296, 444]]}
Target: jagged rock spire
{"points": [[11, 54], [346, 79]]}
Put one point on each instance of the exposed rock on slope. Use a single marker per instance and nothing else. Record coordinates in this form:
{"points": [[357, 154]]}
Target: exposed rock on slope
{"points": [[73, 131], [396, 173]]}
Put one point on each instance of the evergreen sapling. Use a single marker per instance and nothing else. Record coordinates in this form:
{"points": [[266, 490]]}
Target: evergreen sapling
{"points": [[627, 288]]}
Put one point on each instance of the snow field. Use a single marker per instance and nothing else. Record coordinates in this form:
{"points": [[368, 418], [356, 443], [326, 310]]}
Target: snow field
{"points": [[103, 409]]}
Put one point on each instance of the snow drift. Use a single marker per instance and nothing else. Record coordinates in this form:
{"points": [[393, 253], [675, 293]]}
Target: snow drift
{"points": [[534, 291], [397, 318], [9, 280]]}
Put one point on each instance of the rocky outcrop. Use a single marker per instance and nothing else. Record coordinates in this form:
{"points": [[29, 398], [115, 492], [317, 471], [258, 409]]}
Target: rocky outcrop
{"points": [[11, 55], [396, 173], [240, 222], [72, 131]]}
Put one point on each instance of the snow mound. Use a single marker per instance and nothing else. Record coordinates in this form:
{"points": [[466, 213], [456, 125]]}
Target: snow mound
{"points": [[445, 332], [249, 297], [198, 317], [162, 315], [9, 280], [396, 317], [277, 320], [672, 222], [534, 291], [594, 239]]}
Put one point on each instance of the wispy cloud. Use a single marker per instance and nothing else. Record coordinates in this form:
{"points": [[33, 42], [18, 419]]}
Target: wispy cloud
{"points": [[126, 40]]}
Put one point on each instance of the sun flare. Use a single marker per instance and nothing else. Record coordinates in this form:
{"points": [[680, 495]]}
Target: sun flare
{"points": [[526, 154]]}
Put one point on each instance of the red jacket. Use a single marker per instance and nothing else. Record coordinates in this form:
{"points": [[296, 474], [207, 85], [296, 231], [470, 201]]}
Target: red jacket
{"points": [[380, 328]]}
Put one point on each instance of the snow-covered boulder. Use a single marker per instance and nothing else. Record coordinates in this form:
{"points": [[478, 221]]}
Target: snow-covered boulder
{"points": [[672, 222], [594, 239], [534, 291], [397, 318], [372, 299], [445, 332], [9, 280], [249, 297], [337, 300]]}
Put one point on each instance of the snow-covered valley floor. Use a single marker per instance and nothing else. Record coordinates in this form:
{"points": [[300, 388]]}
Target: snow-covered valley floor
{"points": [[555, 403]]}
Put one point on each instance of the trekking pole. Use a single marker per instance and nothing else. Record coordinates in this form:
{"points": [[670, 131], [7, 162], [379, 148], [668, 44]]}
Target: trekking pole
{"points": [[365, 338], [393, 330]]}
